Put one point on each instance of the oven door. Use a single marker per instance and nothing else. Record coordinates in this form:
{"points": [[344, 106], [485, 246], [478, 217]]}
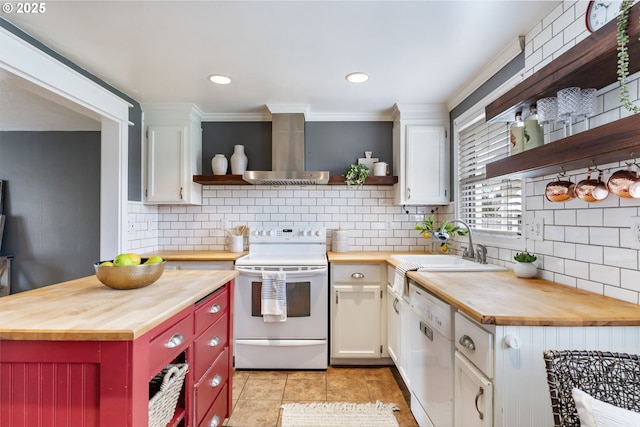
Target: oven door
{"points": [[307, 306]]}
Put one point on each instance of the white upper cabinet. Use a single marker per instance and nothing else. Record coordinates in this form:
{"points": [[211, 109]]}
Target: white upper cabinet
{"points": [[421, 155], [172, 154]]}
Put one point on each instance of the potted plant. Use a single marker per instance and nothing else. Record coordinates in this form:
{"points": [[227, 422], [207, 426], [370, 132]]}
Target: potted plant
{"points": [[356, 174], [429, 226], [525, 266]]}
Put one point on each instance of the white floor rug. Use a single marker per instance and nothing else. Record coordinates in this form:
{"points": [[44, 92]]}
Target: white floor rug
{"points": [[339, 414]]}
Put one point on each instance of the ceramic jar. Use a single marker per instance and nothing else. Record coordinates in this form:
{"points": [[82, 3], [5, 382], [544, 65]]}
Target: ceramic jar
{"points": [[219, 164], [238, 160], [525, 269]]}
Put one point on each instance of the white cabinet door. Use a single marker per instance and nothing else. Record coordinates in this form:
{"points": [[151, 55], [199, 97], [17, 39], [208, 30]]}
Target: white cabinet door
{"points": [[173, 154], [473, 395], [426, 165], [404, 352], [355, 331], [166, 146]]}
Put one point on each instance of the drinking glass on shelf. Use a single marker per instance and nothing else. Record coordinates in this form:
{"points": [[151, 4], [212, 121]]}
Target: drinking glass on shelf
{"points": [[547, 114], [568, 106], [588, 107]]}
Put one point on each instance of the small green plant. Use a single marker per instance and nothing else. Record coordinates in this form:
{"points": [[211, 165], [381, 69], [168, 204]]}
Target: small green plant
{"points": [[525, 257], [623, 55], [429, 226], [356, 174]]}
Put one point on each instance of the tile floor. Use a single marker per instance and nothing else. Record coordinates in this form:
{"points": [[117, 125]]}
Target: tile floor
{"points": [[257, 395]]}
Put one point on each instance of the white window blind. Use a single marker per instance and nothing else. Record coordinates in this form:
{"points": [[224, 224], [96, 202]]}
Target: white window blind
{"points": [[489, 206]]}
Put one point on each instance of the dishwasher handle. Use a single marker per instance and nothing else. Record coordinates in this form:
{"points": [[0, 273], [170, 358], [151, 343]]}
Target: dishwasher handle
{"points": [[467, 342]]}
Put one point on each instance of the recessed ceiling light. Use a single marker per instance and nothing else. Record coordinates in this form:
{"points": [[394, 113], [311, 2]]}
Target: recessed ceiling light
{"points": [[357, 77], [220, 79]]}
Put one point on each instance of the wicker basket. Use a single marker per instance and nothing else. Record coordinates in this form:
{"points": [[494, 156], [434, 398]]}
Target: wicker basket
{"points": [[164, 391]]}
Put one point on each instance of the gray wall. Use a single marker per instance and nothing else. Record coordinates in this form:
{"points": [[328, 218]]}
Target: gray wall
{"points": [[331, 146], [52, 205]]}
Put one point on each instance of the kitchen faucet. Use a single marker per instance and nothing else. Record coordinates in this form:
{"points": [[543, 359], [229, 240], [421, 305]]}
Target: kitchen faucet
{"points": [[443, 236]]}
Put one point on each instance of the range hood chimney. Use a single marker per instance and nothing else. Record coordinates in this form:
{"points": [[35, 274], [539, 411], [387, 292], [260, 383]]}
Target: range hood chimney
{"points": [[287, 154]]}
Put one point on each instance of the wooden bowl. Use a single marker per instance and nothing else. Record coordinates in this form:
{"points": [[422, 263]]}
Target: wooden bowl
{"points": [[129, 277]]}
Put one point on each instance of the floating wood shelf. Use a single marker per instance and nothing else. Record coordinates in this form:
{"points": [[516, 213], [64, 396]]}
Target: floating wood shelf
{"points": [[333, 180], [590, 63], [220, 180], [371, 180], [612, 142]]}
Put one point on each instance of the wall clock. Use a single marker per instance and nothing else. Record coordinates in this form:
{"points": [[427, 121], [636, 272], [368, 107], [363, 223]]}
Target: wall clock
{"points": [[599, 12]]}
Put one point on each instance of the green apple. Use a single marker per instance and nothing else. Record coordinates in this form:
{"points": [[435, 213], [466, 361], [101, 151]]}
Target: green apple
{"points": [[123, 260]]}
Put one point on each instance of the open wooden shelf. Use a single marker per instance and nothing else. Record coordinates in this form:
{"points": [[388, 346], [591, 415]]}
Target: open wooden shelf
{"points": [[612, 142], [371, 180], [333, 180], [220, 180], [590, 63]]}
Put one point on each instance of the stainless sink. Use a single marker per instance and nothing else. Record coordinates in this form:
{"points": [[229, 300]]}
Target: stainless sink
{"points": [[446, 263]]}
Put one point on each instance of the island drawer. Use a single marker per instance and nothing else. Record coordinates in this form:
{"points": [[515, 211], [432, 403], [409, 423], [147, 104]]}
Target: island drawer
{"points": [[169, 344], [211, 309], [211, 384], [209, 345], [215, 415], [357, 273]]}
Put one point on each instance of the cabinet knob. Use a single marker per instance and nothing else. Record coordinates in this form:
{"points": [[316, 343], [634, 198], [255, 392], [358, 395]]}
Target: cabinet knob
{"points": [[215, 421], [214, 341], [357, 276], [216, 381], [512, 341], [174, 341], [215, 308], [467, 342]]}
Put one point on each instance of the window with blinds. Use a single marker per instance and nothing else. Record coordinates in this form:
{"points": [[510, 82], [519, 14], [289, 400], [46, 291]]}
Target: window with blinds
{"points": [[489, 206]]}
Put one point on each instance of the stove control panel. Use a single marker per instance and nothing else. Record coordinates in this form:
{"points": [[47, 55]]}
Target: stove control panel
{"points": [[287, 234]]}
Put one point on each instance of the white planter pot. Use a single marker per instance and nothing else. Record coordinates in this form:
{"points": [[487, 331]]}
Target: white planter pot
{"points": [[525, 269], [219, 164], [238, 160]]}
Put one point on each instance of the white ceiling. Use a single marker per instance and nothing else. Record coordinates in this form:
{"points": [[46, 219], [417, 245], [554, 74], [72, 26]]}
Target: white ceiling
{"points": [[282, 52]]}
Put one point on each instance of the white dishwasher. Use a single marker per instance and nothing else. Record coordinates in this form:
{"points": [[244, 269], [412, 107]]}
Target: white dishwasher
{"points": [[431, 359]]}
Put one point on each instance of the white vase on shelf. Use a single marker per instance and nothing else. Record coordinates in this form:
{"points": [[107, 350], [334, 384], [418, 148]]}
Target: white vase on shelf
{"points": [[238, 160], [219, 164]]}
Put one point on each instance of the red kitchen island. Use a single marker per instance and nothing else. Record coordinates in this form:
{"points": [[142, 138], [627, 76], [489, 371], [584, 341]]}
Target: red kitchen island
{"points": [[81, 354]]}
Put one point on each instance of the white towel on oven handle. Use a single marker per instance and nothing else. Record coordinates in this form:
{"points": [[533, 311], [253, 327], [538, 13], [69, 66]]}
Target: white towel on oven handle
{"points": [[274, 296]]}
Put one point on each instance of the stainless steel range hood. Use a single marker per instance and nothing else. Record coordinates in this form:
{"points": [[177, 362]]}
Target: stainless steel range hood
{"points": [[287, 155]]}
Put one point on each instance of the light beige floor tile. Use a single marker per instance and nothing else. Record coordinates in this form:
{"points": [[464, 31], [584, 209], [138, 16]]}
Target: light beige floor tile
{"points": [[312, 390], [255, 413], [263, 389]]}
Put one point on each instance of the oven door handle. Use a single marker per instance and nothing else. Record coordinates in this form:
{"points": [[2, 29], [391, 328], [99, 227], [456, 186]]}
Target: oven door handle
{"points": [[297, 274], [279, 343]]}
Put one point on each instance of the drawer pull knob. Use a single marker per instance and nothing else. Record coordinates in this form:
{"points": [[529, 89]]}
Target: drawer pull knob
{"points": [[216, 381], [215, 421], [478, 395], [467, 342], [215, 308], [357, 276], [174, 341], [214, 341]]}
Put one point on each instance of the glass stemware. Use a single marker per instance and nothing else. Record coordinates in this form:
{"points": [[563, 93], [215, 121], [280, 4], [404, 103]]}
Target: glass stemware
{"points": [[568, 106], [547, 114], [588, 107]]}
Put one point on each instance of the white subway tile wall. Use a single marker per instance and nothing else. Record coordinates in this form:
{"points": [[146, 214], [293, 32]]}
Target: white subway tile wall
{"points": [[587, 246], [374, 223], [591, 242]]}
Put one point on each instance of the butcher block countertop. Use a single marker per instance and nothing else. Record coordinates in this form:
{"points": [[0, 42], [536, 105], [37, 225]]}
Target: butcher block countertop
{"points": [[501, 298], [198, 255], [368, 256], [86, 310]]}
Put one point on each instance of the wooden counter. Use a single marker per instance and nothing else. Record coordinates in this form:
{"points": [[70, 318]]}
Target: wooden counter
{"points": [[501, 298], [369, 256], [198, 255], [86, 310]]}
